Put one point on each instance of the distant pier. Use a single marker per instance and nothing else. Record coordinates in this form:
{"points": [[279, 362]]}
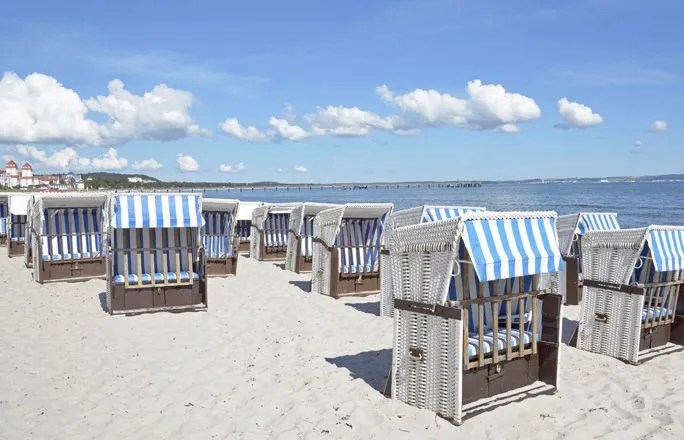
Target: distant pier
{"points": [[320, 187]]}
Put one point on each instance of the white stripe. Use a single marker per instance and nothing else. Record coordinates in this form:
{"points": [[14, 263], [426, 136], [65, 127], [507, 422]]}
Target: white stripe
{"points": [[123, 208], [166, 212], [179, 210], [529, 253], [137, 203], [538, 241], [152, 210], [508, 227], [496, 237], [192, 208], [487, 254]]}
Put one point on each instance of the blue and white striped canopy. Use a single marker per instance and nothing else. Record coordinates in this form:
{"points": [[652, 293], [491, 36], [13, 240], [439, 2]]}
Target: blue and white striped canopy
{"points": [[667, 248], [157, 211], [597, 221], [511, 247], [436, 213]]}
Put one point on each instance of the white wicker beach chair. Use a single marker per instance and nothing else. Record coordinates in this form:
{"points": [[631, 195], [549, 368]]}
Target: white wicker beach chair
{"points": [[346, 253], [16, 223], [301, 235], [270, 226], [474, 315], [4, 214], [571, 228], [632, 280], [68, 233], [243, 227], [28, 244], [405, 217], [156, 260], [220, 242]]}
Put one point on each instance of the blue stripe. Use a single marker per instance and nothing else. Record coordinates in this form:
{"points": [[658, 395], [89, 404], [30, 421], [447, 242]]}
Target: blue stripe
{"points": [[146, 214], [187, 201]]}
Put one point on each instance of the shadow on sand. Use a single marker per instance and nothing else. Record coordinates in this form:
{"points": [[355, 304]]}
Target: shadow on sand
{"points": [[304, 285], [370, 366], [103, 301], [372, 308]]}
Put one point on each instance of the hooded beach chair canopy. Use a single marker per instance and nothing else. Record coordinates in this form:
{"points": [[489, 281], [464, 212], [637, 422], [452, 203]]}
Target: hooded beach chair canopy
{"points": [[244, 219], [156, 211], [578, 224], [432, 213], [18, 212], [70, 225], [302, 223]]}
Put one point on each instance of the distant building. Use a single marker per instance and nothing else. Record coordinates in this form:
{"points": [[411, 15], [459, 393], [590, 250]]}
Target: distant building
{"points": [[11, 177], [137, 179]]}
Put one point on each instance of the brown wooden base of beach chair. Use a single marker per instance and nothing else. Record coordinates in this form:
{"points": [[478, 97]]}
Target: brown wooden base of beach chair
{"points": [[303, 264], [158, 299], [677, 330], [244, 246], [221, 267], [342, 285], [15, 248], [573, 287], [654, 337], [491, 380], [3, 240], [271, 253], [71, 271]]}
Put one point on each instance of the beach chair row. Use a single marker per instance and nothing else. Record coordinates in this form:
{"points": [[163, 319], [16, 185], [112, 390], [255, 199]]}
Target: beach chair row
{"points": [[477, 296]]}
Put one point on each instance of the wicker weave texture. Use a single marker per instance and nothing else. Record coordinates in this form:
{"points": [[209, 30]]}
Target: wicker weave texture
{"points": [[566, 226], [258, 218], [326, 224], [296, 220]]}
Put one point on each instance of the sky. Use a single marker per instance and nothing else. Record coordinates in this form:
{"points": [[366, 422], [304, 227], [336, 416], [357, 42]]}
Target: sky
{"points": [[311, 91]]}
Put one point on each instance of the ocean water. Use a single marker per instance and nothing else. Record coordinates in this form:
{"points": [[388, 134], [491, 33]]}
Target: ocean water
{"points": [[637, 204]]}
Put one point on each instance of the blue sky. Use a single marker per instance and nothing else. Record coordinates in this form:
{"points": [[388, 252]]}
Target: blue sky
{"points": [[306, 77]]}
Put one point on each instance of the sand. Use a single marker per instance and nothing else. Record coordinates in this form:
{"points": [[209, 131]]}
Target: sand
{"points": [[269, 360]]}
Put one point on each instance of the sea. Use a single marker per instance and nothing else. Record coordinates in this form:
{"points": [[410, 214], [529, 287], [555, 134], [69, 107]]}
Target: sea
{"points": [[637, 204]]}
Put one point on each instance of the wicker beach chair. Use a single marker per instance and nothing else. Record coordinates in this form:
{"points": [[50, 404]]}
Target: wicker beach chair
{"points": [[405, 217], [28, 226], [16, 223], [4, 214], [218, 234], [155, 261], [571, 228], [632, 280], [346, 253], [474, 315], [67, 233], [243, 228], [270, 226], [301, 235]]}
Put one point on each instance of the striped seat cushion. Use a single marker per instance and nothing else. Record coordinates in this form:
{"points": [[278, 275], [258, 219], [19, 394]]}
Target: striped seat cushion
{"points": [[307, 236], [488, 342], [655, 312], [217, 234], [358, 242], [71, 234], [158, 277], [276, 229]]}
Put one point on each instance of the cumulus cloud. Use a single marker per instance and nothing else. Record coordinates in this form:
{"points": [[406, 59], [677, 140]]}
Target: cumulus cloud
{"points": [[300, 169], [232, 127], [110, 161], [232, 168], [659, 126], [636, 147], [38, 109], [576, 115], [486, 107], [187, 163], [147, 165], [69, 159]]}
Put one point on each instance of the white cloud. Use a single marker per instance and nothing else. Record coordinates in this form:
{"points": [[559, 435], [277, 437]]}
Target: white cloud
{"points": [[230, 168], [637, 143], [231, 126], [659, 126], [577, 115], [300, 169], [487, 107], [68, 159], [38, 109], [636, 147], [147, 165], [187, 163], [110, 161], [160, 114], [281, 129]]}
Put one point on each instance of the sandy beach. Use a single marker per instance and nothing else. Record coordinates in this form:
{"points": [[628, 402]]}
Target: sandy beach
{"points": [[269, 360]]}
